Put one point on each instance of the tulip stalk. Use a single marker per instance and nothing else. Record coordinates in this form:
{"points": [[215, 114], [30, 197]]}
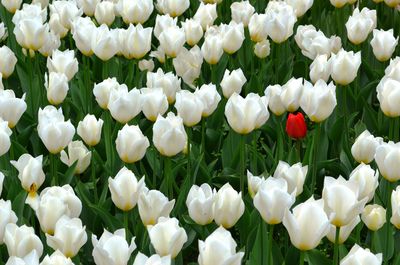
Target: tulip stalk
{"points": [[270, 239], [189, 170], [53, 169], [389, 191], [168, 177], [336, 248], [88, 89], [203, 135], [93, 174], [242, 162], [315, 154], [302, 253]]}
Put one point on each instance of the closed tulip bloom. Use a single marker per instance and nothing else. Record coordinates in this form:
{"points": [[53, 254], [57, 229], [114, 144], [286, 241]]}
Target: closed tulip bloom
{"points": [[69, 236], [272, 199], [193, 31], [364, 147], [320, 68], [296, 126], [318, 101], [3, 33], [242, 12], [89, 129], [77, 152], [57, 88], [162, 23], [339, 3], [188, 64], [112, 249], [1, 182], [125, 189], [232, 37], [307, 225], [300, 7], [142, 259], [210, 97], [174, 8], [57, 258], [387, 157], [212, 48], [83, 29], [88, 6], [246, 114], [341, 200], [137, 42], [172, 40], [294, 175], [280, 20], [206, 14], [200, 202], [30, 259], [257, 29], [5, 133], [154, 103], [54, 132], [374, 216], [291, 94], [53, 43], [67, 10], [345, 66], [152, 205], [358, 255], [169, 82], [367, 180], [395, 203], [8, 60], [31, 33], [169, 136], [103, 90], [383, 44], [21, 240], [189, 107], [254, 183], [7, 216], [222, 241], [56, 25], [11, 5], [104, 44], [55, 202], [63, 62], [391, 3], [124, 105], [344, 231], [11, 107], [388, 91], [135, 11], [232, 82], [146, 65], [360, 24], [262, 49], [228, 206], [104, 13], [275, 104], [131, 144]]}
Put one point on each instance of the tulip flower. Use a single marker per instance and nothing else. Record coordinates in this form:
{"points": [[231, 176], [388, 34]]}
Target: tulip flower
{"points": [[307, 225], [162, 23], [124, 105], [232, 37], [358, 255], [104, 13], [57, 88], [154, 102], [189, 107], [136, 42], [135, 11], [272, 200], [83, 30], [11, 5], [257, 29], [374, 216], [387, 157], [367, 180], [254, 183], [77, 152], [208, 94], [8, 60], [296, 126], [5, 133], [31, 259], [344, 231], [294, 175], [63, 62], [146, 65], [345, 66], [152, 205], [188, 64], [273, 93], [200, 202], [193, 31], [206, 14], [228, 206], [112, 249], [88, 6], [167, 237], [7, 216], [391, 3], [89, 129], [56, 258], [262, 49], [291, 94], [104, 44], [360, 24], [388, 90], [69, 236], [56, 25], [280, 20], [172, 40], [383, 44], [11, 107], [21, 240], [174, 8], [364, 147], [67, 10], [170, 83], [395, 204], [141, 259], [103, 90], [232, 82], [300, 7], [320, 68], [222, 240], [1, 182], [212, 48], [242, 12]]}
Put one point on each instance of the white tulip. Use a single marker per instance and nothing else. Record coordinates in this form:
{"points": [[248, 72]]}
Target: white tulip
{"points": [[167, 237], [8, 60], [152, 205], [200, 202], [135, 11], [193, 31], [174, 8], [104, 13], [69, 236], [83, 31], [21, 240], [388, 91], [189, 107], [146, 65], [366, 179], [222, 241], [320, 68], [254, 183], [5, 133], [137, 42], [280, 20], [188, 64], [257, 27], [67, 10], [275, 104], [124, 105], [56, 25], [345, 66], [57, 88], [262, 49], [364, 147], [104, 44], [131, 144], [395, 204], [170, 83], [88, 6], [52, 44], [103, 90], [228, 206], [172, 40], [232, 36], [77, 152], [206, 14], [383, 44], [360, 24], [294, 175], [242, 12], [374, 216], [11, 5], [232, 82], [31, 33], [391, 3], [307, 225], [344, 231], [210, 97], [11, 107], [212, 49], [154, 102], [112, 249], [162, 23], [57, 258], [300, 7], [63, 62], [7, 216], [358, 255], [291, 94], [387, 157], [1, 182], [31, 259], [89, 129], [141, 259]]}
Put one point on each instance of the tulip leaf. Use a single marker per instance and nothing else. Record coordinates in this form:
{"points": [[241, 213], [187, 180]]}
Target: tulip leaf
{"points": [[315, 257]]}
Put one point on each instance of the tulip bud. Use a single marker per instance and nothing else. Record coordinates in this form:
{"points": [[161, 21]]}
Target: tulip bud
{"points": [[67, 10], [262, 49], [69, 236], [88, 6], [392, 3], [5, 133], [300, 7], [320, 68], [294, 175], [172, 40], [188, 64], [124, 105], [21, 240], [1, 182], [169, 136], [360, 24], [339, 3], [104, 13], [189, 107], [7, 216], [11, 107], [152, 205], [228, 206], [273, 93], [212, 48], [55, 202], [83, 30], [208, 94], [358, 255], [56, 25], [318, 101], [200, 202], [291, 94], [63, 62], [193, 31], [3, 33], [345, 66], [280, 20], [374, 216], [104, 44], [77, 152], [341, 200], [11, 5], [154, 102], [174, 8], [388, 90], [232, 82], [206, 15], [162, 23], [112, 249], [395, 203], [135, 11], [103, 90], [141, 259], [387, 157], [383, 44], [56, 85], [242, 12], [170, 83], [31, 259], [254, 183], [257, 29], [52, 44], [232, 36], [57, 258], [272, 199], [367, 180], [89, 129], [31, 33], [146, 65], [364, 147], [131, 144], [222, 240], [7, 61], [296, 126]]}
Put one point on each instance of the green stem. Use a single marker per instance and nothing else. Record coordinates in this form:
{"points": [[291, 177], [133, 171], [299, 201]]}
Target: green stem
{"points": [[189, 170], [126, 225], [372, 241], [298, 149], [242, 173], [108, 140], [336, 249], [53, 169], [301, 257], [203, 135], [168, 176], [105, 74], [93, 175], [30, 96], [270, 239], [315, 154], [388, 216], [88, 88]]}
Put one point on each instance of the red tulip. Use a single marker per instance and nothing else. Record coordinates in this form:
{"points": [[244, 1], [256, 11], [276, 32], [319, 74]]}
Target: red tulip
{"points": [[296, 126]]}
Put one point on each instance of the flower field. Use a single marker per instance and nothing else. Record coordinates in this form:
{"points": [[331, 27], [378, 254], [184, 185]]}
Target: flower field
{"points": [[209, 132]]}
